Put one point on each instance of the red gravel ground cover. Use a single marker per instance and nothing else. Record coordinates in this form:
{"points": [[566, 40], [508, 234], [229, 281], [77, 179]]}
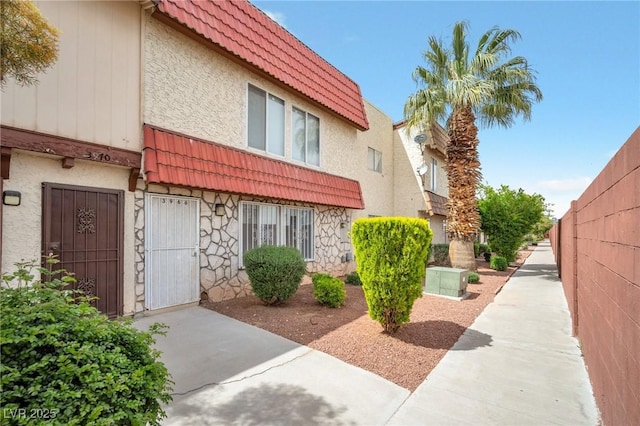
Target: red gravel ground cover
{"points": [[406, 357]]}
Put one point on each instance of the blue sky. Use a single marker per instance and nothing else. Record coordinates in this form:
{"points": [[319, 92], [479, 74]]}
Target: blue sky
{"points": [[586, 54]]}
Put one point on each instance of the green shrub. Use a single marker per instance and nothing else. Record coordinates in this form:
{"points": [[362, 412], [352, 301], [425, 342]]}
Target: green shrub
{"points": [[506, 248], [476, 249], [328, 290], [507, 216], [353, 279], [275, 272], [499, 263], [482, 249], [487, 256], [473, 277], [441, 254], [63, 358], [391, 255]]}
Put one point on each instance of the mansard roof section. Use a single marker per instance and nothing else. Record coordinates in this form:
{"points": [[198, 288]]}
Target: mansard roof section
{"points": [[437, 136], [436, 204], [249, 35], [175, 159]]}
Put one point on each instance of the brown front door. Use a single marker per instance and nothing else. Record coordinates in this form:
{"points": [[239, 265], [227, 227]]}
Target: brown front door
{"points": [[84, 227]]}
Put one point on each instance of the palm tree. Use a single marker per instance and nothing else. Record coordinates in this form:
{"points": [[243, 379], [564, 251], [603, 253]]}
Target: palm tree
{"points": [[456, 86]]}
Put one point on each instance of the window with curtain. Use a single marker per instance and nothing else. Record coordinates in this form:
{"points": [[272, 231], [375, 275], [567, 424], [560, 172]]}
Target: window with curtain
{"points": [[271, 224], [265, 127], [305, 137]]}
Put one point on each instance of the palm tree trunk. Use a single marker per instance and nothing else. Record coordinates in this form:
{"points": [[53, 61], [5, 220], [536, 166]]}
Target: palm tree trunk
{"points": [[463, 171]]}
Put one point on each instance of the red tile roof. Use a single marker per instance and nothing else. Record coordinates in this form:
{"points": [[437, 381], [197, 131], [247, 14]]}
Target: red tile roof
{"points": [[436, 204], [179, 160], [247, 33]]}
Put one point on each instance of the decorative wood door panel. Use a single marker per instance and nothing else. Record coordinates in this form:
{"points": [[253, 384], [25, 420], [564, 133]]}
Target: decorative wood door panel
{"points": [[84, 227], [172, 252]]}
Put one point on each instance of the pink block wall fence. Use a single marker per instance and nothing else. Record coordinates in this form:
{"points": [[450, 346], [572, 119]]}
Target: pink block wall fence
{"points": [[597, 249]]}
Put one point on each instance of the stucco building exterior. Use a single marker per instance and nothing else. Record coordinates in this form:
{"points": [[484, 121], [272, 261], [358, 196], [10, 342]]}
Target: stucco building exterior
{"points": [[425, 151], [173, 136]]}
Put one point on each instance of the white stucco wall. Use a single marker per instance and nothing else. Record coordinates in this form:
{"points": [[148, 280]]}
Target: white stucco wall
{"points": [[22, 225], [408, 193], [416, 157], [409, 196], [437, 226], [92, 92], [377, 188]]}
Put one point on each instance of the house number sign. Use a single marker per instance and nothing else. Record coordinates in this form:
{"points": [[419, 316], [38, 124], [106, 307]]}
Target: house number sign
{"points": [[98, 156]]}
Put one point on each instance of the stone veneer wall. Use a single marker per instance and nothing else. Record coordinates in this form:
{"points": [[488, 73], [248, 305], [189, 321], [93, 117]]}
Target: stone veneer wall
{"points": [[138, 234], [332, 243], [221, 278]]}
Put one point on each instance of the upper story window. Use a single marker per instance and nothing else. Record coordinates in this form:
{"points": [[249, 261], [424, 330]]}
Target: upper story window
{"points": [[265, 121], [374, 160], [434, 174], [305, 137]]}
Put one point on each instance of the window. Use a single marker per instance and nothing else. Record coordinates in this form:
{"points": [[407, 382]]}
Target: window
{"points": [[270, 224], [265, 121], [298, 230], [305, 137], [374, 161], [434, 174]]}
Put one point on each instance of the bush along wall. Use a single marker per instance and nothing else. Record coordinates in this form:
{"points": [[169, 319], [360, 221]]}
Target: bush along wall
{"points": [[391, 256], [66, 363], [441, 254], [353, 279], [275, 272]]}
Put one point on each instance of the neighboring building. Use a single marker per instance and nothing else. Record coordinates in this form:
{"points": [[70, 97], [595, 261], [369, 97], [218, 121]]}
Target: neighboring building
{"points": [[420, 157], [173, 136], [72, 147]]}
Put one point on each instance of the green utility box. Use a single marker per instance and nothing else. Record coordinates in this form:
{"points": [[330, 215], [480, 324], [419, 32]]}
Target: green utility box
{"points": [[446, 281]]}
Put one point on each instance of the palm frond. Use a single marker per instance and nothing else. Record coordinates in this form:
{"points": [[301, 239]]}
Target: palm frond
{"points": [[482, 63], [499, 41], [468, 90], [424, 107], [484, 40], [460, 49], [437, 58]]}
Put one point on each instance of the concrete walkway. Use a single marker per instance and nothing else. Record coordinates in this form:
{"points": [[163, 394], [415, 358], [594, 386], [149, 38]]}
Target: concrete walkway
{"points": [[532, 373], [230, 373]]}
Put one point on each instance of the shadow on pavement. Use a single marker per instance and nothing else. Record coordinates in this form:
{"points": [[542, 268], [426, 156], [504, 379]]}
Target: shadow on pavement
{"points": [[441, 335], [540, 270], [265, 404]]}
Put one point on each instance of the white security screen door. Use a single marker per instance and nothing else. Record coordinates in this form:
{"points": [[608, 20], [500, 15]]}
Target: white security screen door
{"points": [[172, 261]]}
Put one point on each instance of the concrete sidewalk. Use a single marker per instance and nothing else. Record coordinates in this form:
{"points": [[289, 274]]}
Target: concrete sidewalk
{"points": [[230, 373], [532, 373]]}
